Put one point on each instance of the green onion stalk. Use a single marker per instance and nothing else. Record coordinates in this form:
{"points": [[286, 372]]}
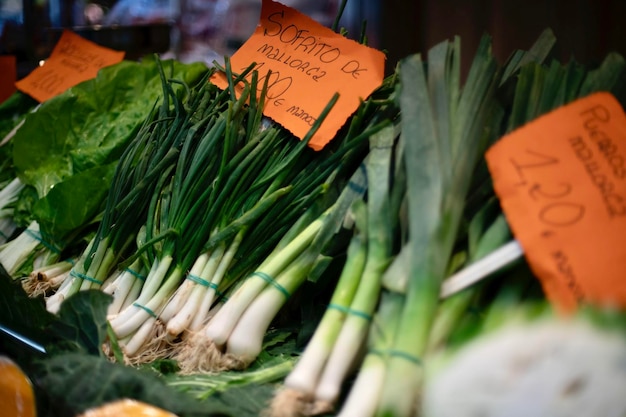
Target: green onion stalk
{"points": [[34, 257], [366, 389], [177, 225], [352, 337], [285, 268], [241, 181], [453, 309], [194, 168], [446, 130], [16, 252], [296, 397], [33, 248], [125, 283], [299, 196], [196, 294], [205, 228], [46, 279], [222, 342], [339, 337], [37, 259], [244, 341], [153, 150]]}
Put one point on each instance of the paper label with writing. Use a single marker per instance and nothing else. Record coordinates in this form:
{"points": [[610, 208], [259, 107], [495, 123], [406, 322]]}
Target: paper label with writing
{"points": [[72, 61], [8, 69], [561, 181], [309, 63]]}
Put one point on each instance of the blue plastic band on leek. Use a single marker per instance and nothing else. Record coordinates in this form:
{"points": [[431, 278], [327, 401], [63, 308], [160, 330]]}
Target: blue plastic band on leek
{"points": [[397, 354], [85, 277], [405, 355], [37, 236], [146, 309], [273, 282], [350, 311], [135, 274], [201, 281], [354, 186]]}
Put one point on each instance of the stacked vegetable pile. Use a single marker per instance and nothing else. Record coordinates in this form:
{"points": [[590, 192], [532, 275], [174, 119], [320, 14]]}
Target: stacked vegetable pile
{"points": [[201, 242]]}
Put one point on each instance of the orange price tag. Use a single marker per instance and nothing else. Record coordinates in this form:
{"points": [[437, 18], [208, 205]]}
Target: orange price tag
{"points": [[73, 60], [561, 181], [8, 69], [309, 63]]}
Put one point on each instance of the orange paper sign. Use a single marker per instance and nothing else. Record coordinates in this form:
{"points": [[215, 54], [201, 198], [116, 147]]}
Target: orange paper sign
{"points": [[72, 61], [8, 69], [309, 63], [561, 180]]}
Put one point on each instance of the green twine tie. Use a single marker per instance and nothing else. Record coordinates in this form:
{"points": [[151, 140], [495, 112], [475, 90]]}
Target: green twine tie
{"points": [[272, 282], [350, 311], [85, 277]]}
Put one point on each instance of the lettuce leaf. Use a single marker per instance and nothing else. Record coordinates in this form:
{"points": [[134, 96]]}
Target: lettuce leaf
{"points": [[91, 123], [72, 383], [73, 203], [67, 150]]}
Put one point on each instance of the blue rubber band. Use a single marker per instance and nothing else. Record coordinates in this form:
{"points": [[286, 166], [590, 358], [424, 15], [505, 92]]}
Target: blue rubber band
{"points": [[406, 356], [363, 169], [364, 173], [398, 354], [201, 281], [272, 281], [146, 309], [85, 277], [350, 311], [356, 187], [135, 274], [36, 235]]}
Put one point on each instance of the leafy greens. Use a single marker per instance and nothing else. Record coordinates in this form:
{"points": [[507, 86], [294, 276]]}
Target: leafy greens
{"points": [[70, 146]]}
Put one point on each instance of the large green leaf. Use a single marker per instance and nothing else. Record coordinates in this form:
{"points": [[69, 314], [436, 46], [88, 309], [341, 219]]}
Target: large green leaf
{"points": [[27, 328], [71, 383], [73, 202], [82, 322], [91, 123], [22, 321]]}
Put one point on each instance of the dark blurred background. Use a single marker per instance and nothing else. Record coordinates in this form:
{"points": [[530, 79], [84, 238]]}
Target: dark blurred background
{"points": [[207, 29], [585, 30]]}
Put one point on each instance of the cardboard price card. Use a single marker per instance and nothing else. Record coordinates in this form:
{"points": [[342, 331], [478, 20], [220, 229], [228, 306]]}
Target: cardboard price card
{"points": [[72, 61], [309, 63], [561, 181]]}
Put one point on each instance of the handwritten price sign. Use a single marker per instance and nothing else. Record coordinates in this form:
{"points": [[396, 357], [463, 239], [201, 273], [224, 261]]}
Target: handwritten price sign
{"points": [[309, 63], [72, 61], [561, 181]]}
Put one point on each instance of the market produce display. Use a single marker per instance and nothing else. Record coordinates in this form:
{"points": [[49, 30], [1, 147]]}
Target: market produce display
{"points": [[165, 242]]}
